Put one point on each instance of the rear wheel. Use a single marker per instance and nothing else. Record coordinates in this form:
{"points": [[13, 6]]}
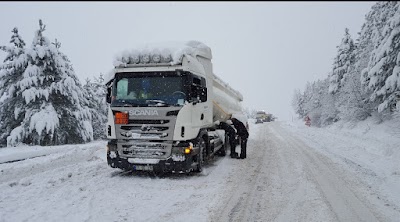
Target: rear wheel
{"points": [[202, 155]]}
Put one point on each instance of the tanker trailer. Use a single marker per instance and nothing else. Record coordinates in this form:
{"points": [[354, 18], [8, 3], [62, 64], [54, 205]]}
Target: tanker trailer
{"points": [[164, 100]]}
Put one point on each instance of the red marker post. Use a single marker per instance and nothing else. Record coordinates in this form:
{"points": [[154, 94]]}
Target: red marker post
{"points": [[308, 121]]}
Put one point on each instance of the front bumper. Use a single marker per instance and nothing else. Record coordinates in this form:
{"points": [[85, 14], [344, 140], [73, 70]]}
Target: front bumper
{"points": [[177, 163]]}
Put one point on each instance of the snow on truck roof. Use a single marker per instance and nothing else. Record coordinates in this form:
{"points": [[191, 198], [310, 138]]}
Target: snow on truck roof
{"points": [[164, 52]]}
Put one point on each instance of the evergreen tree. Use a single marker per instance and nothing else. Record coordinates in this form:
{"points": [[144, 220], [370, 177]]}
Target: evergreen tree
{"points": [[313, 103], [298, 103], [347, 92], [342, 62], [310, 102], [250, 113], [54, 111], [352, 99], [365, 77], [316, 102], [95, 93], [382, 76], [10, 73], [329, 111], [358, 105]]}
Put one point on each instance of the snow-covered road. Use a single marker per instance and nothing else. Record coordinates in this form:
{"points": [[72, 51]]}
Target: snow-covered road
{"points": [[291, 173]]}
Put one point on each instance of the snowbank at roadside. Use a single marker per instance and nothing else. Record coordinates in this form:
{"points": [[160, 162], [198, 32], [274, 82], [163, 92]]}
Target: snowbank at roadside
{"points": [[369, 149]]}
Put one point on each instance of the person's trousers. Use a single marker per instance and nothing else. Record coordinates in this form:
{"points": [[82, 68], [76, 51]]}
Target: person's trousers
{"points": [[233, 147], [243, 144]]}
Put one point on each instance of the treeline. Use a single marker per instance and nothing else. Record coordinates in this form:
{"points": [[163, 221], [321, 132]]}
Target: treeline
{"points": [[42, 102], [365, 76]]}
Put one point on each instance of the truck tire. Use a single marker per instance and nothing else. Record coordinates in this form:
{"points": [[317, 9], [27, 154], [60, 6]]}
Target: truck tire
{"points": [[202, 154]]}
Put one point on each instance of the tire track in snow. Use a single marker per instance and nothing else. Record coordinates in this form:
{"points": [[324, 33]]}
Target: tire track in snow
{"points": [[342, 200], [241, 192], [289, 193]]}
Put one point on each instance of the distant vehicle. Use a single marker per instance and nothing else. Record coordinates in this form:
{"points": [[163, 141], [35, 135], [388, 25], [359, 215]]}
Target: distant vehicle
{"points": [[268, 118], [261, 116]]}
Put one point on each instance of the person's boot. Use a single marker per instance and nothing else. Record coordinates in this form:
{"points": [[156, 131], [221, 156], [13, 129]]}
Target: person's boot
{"points": [[234, 155]]}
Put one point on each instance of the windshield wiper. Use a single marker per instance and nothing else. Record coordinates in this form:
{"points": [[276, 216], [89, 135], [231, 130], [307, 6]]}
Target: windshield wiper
{"points": [[156, 102], [123, 105]]}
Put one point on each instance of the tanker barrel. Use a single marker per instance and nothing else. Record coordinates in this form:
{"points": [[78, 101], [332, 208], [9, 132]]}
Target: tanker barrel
{"points": [[226, 100]]}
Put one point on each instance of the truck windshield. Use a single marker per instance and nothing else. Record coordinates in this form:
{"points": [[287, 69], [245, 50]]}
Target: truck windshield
{"points": [[149, 89]]}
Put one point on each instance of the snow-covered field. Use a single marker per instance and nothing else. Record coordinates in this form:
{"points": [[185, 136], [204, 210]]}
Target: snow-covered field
{"points": [[291, 173]]}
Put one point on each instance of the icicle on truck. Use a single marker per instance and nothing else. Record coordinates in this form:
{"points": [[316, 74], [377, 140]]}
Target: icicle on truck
{"points": [[164, 101]]}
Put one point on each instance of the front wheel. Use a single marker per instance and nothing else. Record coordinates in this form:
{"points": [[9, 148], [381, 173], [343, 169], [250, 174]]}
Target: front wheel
{"points": [[202, 155]]}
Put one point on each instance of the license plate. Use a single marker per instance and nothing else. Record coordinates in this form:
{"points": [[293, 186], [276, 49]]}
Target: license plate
{"points": [[143, 167]]}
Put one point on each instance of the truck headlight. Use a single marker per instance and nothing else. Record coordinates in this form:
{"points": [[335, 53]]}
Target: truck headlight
{"points": [[188, 149]]}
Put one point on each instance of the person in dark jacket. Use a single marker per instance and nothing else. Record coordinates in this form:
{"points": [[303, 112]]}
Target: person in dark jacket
{"points": [[243, 134], [231, 132]]}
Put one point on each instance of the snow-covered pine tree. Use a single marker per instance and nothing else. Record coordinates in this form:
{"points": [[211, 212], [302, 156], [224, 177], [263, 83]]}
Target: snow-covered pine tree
{"points": [[329, 111], [382, 75], [10, 73], [250, 113], [53, 111], [348, 97], [298, 103], [95, 93], [316, 103], [337, 79], [312, 101], [359, 107], [342, 62], [352, 98], [307, 97]]}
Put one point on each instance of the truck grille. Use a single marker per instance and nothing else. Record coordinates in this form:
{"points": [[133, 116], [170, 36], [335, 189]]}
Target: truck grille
{"points": [[142, 129], [144, 121], [145, 146], [139, 128], [147, 136], [138, 149], [143, 153]]}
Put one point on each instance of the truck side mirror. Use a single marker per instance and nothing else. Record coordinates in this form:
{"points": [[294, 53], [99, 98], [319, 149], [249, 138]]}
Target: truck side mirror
{"points": [[194, 94], [199, 94], [203, 94], [108, 97]]}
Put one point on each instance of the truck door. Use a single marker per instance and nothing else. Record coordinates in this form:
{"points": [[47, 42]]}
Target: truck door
{"points": [[199, 98]]}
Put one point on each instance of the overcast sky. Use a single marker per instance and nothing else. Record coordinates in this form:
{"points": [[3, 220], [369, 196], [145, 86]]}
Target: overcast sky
{"points": [[265, 50]]}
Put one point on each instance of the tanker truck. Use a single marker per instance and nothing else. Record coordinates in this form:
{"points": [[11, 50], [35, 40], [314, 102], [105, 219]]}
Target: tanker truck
{"points": [[164, 101]]}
